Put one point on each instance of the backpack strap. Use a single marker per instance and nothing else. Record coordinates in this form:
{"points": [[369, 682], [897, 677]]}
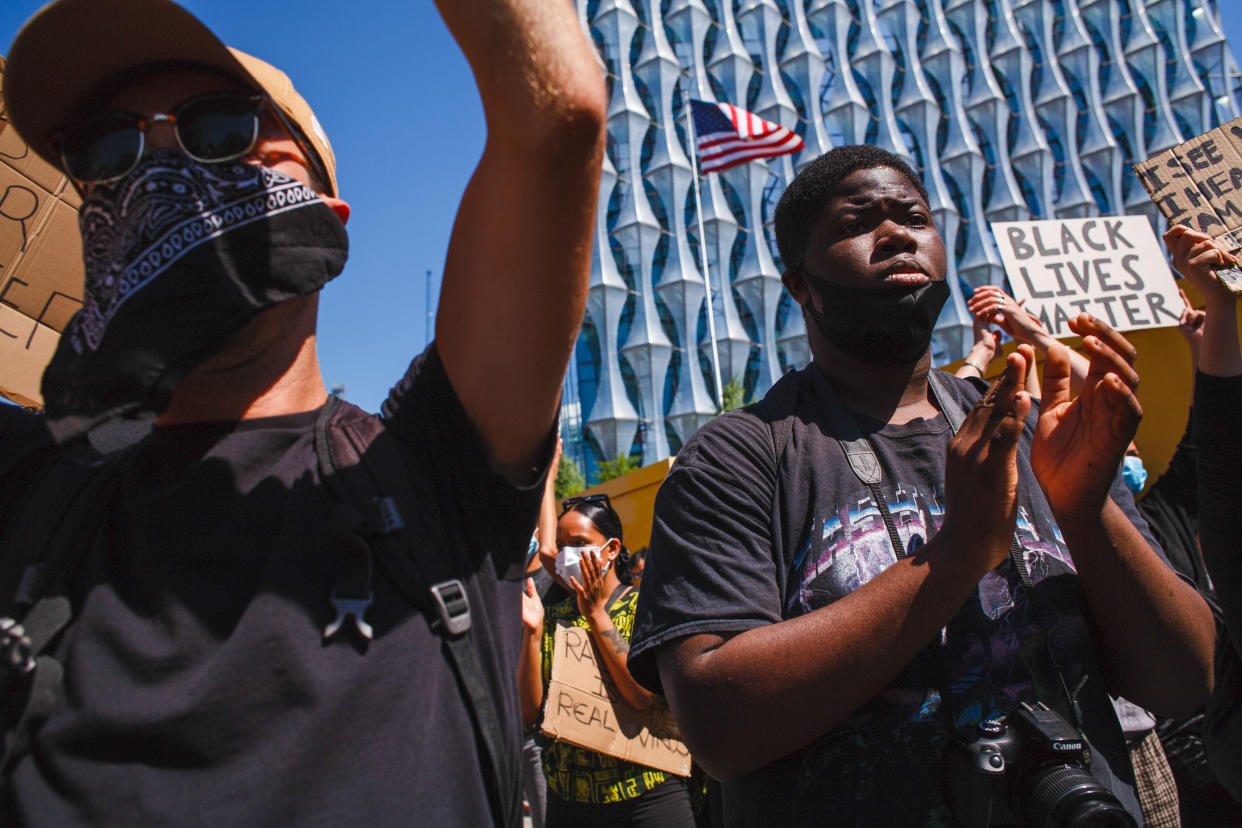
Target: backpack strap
{"points": [[945, 401], [360, 462], [59, 522], [779, 404], [39, 518], [861, 457], [43, 674]]}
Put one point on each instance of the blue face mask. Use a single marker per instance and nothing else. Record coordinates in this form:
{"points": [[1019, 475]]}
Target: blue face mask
{"points": [[1133, 474]]}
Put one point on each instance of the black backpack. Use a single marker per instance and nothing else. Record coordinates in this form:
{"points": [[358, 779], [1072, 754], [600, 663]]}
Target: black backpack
{"points": [[359, 462]]}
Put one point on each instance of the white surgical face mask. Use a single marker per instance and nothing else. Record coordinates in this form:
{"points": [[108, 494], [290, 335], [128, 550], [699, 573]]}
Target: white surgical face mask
{"points": [[569, 561]]}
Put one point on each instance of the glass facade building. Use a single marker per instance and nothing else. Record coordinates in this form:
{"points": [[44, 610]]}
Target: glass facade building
{"points": [[1010, 109]]}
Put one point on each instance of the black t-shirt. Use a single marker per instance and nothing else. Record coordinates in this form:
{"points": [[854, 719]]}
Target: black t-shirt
{"points": [[1217, 411], [741, 540], [1218, 404], [1170, 507], [198, 685]]}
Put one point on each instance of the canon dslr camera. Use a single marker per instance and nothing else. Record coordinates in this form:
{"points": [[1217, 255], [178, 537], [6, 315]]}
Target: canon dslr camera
{"points": [[1028, 768]]}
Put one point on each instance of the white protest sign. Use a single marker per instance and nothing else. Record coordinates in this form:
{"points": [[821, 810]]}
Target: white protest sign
{"points": [[584, 708], [1112, 267]]}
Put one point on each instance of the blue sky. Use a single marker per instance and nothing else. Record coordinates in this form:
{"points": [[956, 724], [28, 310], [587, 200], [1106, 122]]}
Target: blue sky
{"points": [[398, 101]]}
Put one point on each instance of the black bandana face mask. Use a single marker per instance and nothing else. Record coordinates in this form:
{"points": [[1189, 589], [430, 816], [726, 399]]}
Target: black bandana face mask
{"points": [[179, 257], [881, 325]]}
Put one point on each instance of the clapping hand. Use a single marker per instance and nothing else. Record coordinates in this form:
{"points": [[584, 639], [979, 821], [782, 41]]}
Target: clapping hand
{"points": [[981, 471], [1079, 443], [591, 595], [532, 609]]}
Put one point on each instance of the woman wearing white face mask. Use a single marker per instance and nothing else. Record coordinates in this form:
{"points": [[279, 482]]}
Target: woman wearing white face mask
{"points": [[586, 787]]}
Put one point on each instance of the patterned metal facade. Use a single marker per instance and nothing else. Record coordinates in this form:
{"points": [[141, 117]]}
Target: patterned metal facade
{"points": [[1011, 109]]}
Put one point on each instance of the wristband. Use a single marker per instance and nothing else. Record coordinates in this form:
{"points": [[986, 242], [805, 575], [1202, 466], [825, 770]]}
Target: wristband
{"points": [[975, 366]]}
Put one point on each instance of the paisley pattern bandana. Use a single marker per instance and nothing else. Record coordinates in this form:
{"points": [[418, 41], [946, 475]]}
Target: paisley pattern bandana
{"points": [[179, 257]]}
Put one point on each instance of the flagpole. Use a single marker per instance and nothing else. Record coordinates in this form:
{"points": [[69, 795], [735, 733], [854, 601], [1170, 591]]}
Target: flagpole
{"points": [[428, 321], [707, 284]]}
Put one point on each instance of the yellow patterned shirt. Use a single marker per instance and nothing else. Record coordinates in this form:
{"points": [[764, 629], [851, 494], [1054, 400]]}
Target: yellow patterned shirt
{"points": [[579, 774]]}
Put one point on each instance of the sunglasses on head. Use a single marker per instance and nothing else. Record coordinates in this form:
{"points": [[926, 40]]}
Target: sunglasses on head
{"points": [[209, 128], [569, 502]]}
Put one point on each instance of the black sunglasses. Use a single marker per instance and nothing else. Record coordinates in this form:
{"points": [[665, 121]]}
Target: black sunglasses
{"points": [[570, 502], [209, 128]]}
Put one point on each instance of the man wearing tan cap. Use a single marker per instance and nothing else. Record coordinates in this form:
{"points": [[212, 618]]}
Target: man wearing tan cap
{"points": [[221, 624]]}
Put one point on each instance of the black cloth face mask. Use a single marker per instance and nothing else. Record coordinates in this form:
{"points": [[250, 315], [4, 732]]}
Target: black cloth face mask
{"points": [[179, 257], [880, 325]]}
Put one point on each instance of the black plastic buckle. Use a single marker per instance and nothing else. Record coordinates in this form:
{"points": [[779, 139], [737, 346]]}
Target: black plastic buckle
{"points": [[453, 605]]}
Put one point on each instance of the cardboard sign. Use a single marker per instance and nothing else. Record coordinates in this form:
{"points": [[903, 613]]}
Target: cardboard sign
{"points": [[1199, 184], [584, 708], [1111, 267], [41, 269]]}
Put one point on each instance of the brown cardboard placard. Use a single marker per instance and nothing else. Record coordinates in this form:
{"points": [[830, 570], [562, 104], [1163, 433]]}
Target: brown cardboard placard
{"points": [[584, 708], [42, 276], [1198, 183], [41, 270], [25, 349]]}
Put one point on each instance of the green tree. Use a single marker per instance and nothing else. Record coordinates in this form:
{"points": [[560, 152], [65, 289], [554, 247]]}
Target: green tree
{"points": [[569, 479], [733, 395], [610, 469]]}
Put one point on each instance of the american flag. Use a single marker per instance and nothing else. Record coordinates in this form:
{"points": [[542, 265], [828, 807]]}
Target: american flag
{"points": [[727, 136]]}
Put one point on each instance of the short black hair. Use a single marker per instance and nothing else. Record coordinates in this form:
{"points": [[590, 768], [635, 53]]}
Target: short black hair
{"points": [[810, 190]]}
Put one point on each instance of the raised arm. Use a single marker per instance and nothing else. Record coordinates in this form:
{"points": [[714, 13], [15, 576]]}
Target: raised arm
{"points": [[1190, 326], [1218, 405], [1194, 256], [994, 306], [530, 657], [518, 264], [985, 348], [545, 530]]}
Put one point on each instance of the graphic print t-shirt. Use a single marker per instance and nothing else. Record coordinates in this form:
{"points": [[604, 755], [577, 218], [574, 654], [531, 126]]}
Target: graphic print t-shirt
{"points": [[740, 541]]}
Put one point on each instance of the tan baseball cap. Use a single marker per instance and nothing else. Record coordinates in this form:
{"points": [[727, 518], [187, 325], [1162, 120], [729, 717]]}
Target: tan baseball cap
{"points": [[70, 47]]}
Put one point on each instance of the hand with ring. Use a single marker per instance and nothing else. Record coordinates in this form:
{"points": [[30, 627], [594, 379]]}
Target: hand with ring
{"points": [[996, 307]]}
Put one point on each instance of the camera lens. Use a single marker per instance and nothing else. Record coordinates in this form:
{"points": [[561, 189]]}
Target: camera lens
{"points": [[1066, 796]]}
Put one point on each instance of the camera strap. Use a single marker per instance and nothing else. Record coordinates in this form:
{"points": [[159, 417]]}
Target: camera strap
{"points": [[868, 469]]}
